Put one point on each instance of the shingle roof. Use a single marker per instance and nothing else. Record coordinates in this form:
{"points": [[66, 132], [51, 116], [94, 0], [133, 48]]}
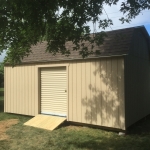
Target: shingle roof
{"points": [[117, 42]]}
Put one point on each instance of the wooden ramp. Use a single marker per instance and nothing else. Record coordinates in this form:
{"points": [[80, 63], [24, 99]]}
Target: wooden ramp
{"points": [[45, 122]]}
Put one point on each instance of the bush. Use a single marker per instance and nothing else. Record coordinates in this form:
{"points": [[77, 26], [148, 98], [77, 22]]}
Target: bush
{"points": [[1, 75]]}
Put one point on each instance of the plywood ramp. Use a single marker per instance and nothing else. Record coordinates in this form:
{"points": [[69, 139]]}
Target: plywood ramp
{"points": [[45, 122]]}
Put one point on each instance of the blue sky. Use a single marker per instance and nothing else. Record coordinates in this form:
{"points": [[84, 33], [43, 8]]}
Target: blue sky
{"points": [[148, 28], [114, 14]]}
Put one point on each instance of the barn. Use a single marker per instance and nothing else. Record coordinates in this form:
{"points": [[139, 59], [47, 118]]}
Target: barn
{"points": [[109, 89]]}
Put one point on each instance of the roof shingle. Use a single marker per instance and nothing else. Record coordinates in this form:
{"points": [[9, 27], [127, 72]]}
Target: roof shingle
{"points": [[117, 42]]}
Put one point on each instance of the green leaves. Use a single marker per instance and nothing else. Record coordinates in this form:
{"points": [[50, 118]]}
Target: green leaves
{"points": [[1, 74], [105, 23], [24, 23], [132, 8]]}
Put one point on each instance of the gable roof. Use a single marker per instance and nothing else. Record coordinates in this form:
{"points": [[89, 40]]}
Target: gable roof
{"points": [[116, 43]]}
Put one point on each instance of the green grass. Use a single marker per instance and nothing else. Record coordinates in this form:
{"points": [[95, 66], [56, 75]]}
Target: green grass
{"points": [[73, 137], [69, 138]]}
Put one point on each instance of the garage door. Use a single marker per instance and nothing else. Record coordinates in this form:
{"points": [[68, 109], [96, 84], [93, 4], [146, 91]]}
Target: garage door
{"points": [[54, 91]]}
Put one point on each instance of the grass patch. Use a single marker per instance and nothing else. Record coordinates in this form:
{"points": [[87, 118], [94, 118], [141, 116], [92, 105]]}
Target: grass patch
{"points": [[69, 138], [22, 137]]}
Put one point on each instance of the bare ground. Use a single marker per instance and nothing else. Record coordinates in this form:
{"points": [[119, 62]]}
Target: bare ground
{"points": [[4, 126]]}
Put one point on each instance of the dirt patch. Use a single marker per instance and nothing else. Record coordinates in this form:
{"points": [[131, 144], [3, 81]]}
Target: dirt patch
{"points": [[4, 126]]}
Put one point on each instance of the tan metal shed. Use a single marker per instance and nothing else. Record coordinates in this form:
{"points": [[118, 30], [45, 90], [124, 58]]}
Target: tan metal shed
{"points": [[110, 89]]}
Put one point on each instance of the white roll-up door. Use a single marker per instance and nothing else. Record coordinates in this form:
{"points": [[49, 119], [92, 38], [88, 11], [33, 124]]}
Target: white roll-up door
{"points": [[54, 91]]}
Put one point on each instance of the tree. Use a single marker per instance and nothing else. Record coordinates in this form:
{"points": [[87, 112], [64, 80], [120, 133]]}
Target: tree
{"points": [[1, 74], [24, 23]]}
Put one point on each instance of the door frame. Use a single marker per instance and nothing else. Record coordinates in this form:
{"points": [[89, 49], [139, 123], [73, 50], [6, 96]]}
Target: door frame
{"points": [[38, 68]]}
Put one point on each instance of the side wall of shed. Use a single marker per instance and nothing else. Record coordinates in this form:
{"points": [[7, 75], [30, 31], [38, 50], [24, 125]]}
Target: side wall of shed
{"points": [[95, 91], [137, 80]]}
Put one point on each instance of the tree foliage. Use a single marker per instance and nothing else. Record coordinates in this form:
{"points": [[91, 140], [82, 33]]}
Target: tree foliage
{"points": [[1, 74], [24, 23]]}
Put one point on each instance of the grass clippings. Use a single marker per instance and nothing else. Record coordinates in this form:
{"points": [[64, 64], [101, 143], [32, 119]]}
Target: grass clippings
{"points": [[4, 126]]}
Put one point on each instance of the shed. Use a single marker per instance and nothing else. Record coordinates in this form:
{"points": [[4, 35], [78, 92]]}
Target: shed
{"points": [[111, 89]]}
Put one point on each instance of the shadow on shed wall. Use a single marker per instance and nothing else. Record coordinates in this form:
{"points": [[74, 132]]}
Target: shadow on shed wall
{"points": [[102, 92]]}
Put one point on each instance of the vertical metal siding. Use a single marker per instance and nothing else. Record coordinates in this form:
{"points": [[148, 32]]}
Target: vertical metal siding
{"points": [[137, 79], [96, 91], [54, 91], [99, 98], [20, 90]]}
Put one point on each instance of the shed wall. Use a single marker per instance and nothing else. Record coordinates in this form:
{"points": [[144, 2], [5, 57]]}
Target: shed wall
{"points": [[21, 90], [95, 91], [137, 80]]}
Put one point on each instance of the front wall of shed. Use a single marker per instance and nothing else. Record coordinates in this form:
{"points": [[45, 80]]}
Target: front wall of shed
{"points": [[137, 80], [95, 91], [21, 90]]}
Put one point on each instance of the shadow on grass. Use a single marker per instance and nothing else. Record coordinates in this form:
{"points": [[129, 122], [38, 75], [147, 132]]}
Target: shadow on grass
{"points": [[142, 127], [95, 139]]}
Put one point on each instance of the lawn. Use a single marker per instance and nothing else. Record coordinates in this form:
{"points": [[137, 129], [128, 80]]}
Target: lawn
{"points": [[69, 137]]}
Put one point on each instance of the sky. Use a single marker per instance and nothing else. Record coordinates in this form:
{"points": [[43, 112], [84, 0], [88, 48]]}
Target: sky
{"points": [[114, 14]]}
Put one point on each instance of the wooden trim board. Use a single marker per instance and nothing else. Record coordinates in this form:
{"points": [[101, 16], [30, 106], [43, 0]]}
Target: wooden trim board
{"points": [[45, 122]]}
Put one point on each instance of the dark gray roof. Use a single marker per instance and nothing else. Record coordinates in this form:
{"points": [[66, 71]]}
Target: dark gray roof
{"points": [[117, 42]]}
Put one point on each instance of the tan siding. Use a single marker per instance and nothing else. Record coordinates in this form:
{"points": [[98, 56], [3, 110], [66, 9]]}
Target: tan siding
{"points": [[74, 92], [100, 97], [78, 98], [84, 93], [4, 92], [109, 93], [88, 89], [20, 90], [104, 92], [32, 89], [98, 91], [29, 89], [37, 91], [93, 95], [115, 103], [26, 80], [70, 105], [121, 101]]}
